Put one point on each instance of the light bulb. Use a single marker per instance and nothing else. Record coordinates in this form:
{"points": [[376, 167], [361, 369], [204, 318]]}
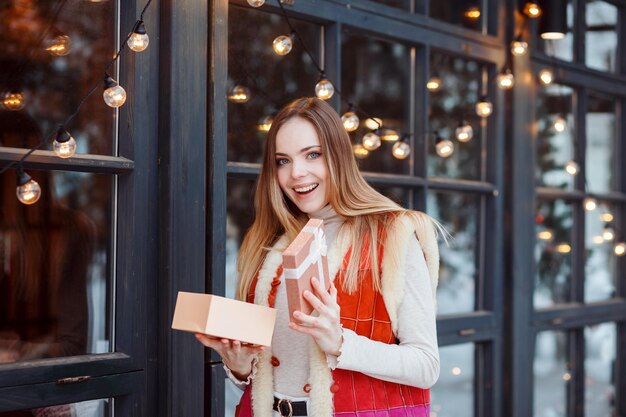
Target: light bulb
{"points": [[324, 89], [472, 13], [546, 76], [239, 94], [563, 248], [360, 152], [28, 190], [433, 84], [532, 10], [559, 124], [506, 80], [138, 40], [608, 234], [484, 107], [590, 204], [64, 144], [371, 141], [545, 235], [598, 239], [401, 149], [464, 131], [256, 3], [444, 147], [265, 123], [13, 101], [572, 168], [519, 47], [350, 121], [59, 45], [114, 95], [373, 123], [620, 249], [606, 217], [282, 44], [389, 135]]}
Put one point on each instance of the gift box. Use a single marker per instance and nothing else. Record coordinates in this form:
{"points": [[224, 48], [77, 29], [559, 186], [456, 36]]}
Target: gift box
{"points": [[303, 259], [224, 318]]}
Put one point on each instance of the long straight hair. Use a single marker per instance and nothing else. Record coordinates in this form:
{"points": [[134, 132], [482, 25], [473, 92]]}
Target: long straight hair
{"points": [[349, 194]]}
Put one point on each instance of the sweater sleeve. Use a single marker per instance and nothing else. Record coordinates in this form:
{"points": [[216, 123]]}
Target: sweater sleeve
{"points": [[415, 361]]}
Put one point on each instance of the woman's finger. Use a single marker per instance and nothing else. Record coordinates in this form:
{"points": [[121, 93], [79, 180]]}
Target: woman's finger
{"points": [[320, 291], [317, 304], [308, 321], [208, 341], [302, 329]]}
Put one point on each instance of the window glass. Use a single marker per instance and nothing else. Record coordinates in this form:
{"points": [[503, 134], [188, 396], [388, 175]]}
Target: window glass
{"points": [[556, 164], [601, 236], [452, 103], [375, 77], [272, 80], [553, 247], [458, 213], [52, 55], [456, 380], [92, 408], [600, 367], [562, 48], [551, 374], [601, 36], [399, 195], [465, 13], [601, 144], [400, 4]]}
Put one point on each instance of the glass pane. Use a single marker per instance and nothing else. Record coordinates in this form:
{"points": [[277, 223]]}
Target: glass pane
{"points": [[601, 36], [601, 144], [465, 13], [93, 408], [399, 195], [400, 4], [456, 380], [450, 104], [458, 213], [600, 366], [601, 235], [551, 374], [52, 54], [375, 77], [55, 264], [553, 226], [556, 165], [272, 80], [562, 48]]}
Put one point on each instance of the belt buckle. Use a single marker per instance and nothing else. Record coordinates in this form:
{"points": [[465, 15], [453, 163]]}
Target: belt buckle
{"points": [[289, 408]]}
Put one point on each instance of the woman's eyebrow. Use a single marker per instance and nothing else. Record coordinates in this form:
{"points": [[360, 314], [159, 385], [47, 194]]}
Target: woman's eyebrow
{"points": [[301, 150]]}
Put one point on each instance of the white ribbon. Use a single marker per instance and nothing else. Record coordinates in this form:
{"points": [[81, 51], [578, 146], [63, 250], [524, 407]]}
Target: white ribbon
{"points": [[317, 250]]}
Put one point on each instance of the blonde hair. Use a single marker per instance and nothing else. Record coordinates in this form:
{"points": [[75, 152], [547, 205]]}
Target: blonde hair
{"points": [[349, 194]]}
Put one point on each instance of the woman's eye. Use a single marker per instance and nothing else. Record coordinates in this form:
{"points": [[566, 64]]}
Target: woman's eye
{"points": [[282, 161], [314, 155]]}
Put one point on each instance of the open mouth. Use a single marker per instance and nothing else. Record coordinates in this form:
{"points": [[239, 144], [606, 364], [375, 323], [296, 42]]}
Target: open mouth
{"points": [[306, 189]]}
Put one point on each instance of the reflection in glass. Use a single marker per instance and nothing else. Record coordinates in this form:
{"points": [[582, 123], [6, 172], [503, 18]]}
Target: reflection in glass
{"points": [[600, 352], [92, 408], [601, 35], [600, 260], [601, 143], [553, 226], [272, 80], [456, 380], [458, 213], [375, 76], [551, 374], [562, 48], [452, 104], [555, 137], [467, 14], [54, 75]]}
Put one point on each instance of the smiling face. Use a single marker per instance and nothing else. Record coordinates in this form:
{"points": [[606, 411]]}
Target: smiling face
{"points": [[301, 168]]}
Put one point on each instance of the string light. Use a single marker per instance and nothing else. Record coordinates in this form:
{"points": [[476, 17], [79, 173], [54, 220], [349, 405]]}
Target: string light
{"points": [[464, 131], [505, 79], [13, 101], [620, 249], [239, 94], [532, 10], [608, 234], [472, 13], [114, 94], [360, 152], [433, 84], [64, 144], [546, 76], [572, 168], [389, 135], [350, 120], [606, 217], [443, 147], [282, 44], [563, 248], [373, 123], [28, 190], [519, 47], [559, 124], [59, 46], [484, 107], [139, 39], [545, 235], [401, 149], [324, 89], [371, 141], [597, 240], [590, 204], [256, 3], [265, 123]]}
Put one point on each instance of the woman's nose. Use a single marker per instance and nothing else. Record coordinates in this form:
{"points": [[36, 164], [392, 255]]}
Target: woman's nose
{"points": [[298, 170]]}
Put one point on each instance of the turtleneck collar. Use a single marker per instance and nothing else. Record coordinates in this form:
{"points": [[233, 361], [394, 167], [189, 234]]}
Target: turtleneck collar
{"points": [[332, 221]]}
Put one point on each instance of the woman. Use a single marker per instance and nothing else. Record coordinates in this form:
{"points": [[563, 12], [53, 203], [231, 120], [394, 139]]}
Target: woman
{"points": [[371, 343]]}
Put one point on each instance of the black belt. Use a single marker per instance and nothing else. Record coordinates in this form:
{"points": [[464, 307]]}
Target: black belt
{"points": [[288, 408]]}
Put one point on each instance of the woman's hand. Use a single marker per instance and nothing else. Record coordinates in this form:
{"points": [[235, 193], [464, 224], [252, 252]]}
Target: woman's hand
{"points": [[237, 357], [325, 328]]}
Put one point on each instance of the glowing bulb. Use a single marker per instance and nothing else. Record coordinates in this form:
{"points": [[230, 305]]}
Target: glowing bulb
{"points": [[60, 45], [256, 3], [350, 121], [114, 95], [553, 36], [389, 135], [608, 234], [13, 101], [567, 376], [598, 240], [433, 84], [506, 80], [606, 217], [138, 40], [620, 249], [373, 123], [444, 147], [572, 168], [545, 235], [371, 141], [401, 149], [532, 10], [239, 94], [484, 107], [64, 144], [590, 204], [472, 13], [282, 44], [28, 191], [265, 123], [546, 76], [519, 47], [324, 89], [563, 248], [559, 124], [464, 132], [360, 152]]}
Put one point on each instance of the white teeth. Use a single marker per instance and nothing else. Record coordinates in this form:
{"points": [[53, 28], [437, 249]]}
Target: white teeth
{"points": [[305, 189]]}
